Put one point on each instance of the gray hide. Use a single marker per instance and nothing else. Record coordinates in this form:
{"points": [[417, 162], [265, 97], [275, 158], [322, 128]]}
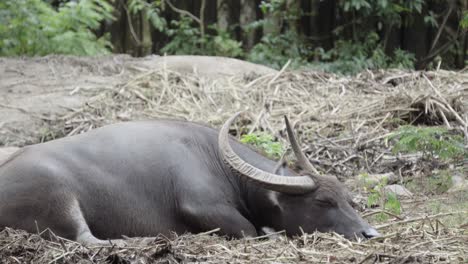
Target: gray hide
{"points": [[150, 177]]}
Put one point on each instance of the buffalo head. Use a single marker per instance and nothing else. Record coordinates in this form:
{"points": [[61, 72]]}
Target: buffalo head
{"points": [[308, 202]]}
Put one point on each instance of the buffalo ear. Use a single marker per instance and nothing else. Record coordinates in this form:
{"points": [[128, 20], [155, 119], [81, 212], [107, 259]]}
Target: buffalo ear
{"points": [[281, 165], [281, 168]]}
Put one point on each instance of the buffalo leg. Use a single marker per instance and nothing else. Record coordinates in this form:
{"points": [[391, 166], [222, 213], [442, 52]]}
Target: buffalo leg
{"points": [[226, 218]]}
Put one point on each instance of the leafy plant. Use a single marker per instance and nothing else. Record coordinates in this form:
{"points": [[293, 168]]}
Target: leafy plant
{"points": [[350, 57], [364, 49], [152, 11], [187, 39], [275, 50], [33, 27], [388, 201], [433, 142], [265, 143], [464, 20]]}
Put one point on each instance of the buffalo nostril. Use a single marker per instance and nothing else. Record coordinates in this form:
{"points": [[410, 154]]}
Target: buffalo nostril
{"points": [[370, 233]]}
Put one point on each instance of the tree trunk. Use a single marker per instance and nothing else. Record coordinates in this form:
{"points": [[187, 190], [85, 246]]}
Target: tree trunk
{"points": [[146, 41], [247, 16], [415, 40], [272, 24], [117, 28], [223, 18], [463, 51], [293, 11], [323, 23]]}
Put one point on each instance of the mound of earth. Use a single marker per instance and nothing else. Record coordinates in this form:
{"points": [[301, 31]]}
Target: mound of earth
{"points": [[34, 90]]}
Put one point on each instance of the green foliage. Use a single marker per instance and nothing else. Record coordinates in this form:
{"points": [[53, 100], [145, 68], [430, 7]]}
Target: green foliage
{"points": [[364, 50], [431, 20], [265, 143], [223, 45], [388, 201], [388, 11], [464, 20], [272, 6], [402, 59], [348, 57], [187, 39], [275, 50], [356, 5], [433, 142], [33, 27], [152, 11], [278, 8]]}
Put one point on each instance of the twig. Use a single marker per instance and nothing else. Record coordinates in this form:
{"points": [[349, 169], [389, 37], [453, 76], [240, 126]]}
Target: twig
{"points": [[457, 116], [130, 25], [441, 27], [184, 12], [382, 211], [278, 74], [265, 236], [202, 18], [419, 219], [209, 232]]}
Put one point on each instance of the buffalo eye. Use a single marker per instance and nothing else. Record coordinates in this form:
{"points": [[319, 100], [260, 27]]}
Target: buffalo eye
{"points": [[326, 203]]}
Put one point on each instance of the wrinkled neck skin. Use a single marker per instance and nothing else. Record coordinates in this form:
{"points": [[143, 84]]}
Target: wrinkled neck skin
{"points": [[265, 206]]}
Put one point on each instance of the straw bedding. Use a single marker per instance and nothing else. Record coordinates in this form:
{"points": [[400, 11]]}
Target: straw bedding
{"points": [[344, 124]]}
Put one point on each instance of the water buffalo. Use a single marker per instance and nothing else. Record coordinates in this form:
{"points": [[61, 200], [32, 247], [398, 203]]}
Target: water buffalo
{"points": [[144, 178], [5, 152]]}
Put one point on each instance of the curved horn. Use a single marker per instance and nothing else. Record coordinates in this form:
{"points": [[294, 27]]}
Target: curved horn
{"points": [[285, 184], [301, 157]]}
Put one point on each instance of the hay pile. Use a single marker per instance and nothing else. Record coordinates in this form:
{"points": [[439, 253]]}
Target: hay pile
{"points": [[343, 122], [426, 242]]}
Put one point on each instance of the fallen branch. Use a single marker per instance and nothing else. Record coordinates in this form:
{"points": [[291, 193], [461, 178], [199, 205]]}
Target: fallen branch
{"points": [[419, 219]]}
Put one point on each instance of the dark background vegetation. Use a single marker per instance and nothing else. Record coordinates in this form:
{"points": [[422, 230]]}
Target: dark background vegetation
{"points": [[345, 36]]}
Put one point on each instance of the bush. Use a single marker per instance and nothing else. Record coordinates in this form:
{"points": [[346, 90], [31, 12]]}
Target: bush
{"points": [[275, 50], [433, 142], [348, 57], [265, 143], [187, 39], [387, 201], [33, 27]]}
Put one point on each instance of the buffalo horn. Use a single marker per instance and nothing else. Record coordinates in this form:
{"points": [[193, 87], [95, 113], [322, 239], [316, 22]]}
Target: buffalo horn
{"points": [[284, 184], [301, 157]]}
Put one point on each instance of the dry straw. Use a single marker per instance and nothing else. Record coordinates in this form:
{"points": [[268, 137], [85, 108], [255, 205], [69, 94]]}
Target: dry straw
{"points": [[344, 123], [421, 243]]}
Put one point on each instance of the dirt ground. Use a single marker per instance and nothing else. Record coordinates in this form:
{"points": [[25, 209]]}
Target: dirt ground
{"points": [[344, 124], [34, 90]]}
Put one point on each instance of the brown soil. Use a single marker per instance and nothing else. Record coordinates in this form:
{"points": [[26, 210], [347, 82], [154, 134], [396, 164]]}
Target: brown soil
{"points": [[34, 90]]}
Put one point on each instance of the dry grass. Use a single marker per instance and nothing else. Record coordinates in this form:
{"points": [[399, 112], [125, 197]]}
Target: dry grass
{"points": [[344, 123], [423, 241]]}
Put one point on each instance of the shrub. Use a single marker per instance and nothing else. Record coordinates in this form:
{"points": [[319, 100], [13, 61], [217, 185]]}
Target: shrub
{"points": [[433, 142], [33, 27], [265, 143]]}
